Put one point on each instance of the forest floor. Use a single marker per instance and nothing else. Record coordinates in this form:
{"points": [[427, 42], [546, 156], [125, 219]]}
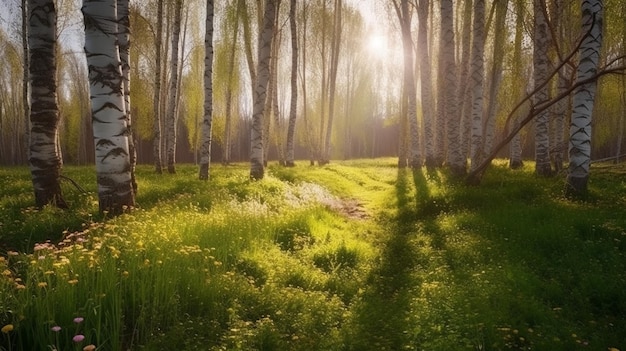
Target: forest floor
{"points": [[355, 255]]}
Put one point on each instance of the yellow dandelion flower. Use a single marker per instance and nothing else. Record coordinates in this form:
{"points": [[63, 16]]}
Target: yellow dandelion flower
{"points": [[48, 272], [42, 284], [20, 287], [7, 328], [6, 273], [73, 281]]}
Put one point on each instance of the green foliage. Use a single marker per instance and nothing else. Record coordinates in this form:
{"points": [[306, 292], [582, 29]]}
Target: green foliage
{"points": [[287, 263]]}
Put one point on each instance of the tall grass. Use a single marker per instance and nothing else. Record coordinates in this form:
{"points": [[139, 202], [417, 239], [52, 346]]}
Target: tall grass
{"points": [[351, 256]]}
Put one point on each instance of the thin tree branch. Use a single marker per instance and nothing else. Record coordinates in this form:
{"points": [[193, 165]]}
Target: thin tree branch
{"points": [[474, 177]]}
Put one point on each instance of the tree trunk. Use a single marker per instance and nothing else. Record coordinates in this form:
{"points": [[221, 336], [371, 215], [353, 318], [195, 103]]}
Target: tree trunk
{"points": [[247, 41], [476, 80], [157, 140], [308, 126], [334, 63], [260, 92], [173, 92], [464, 91], [26, 72], [583, 100], [455, 160], [428, 113], [110, 129], [44, 159], [293, 105], [540, 65], [410, 93], [278, 125], [123, 17], [515, 148], [229, 91], [495, 76], [207, 122]]}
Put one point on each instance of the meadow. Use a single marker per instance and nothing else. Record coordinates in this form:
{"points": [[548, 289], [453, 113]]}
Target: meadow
{"points": [[355, 255]]}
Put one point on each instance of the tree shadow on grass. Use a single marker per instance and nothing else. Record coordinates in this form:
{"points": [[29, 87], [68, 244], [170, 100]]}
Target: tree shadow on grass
{"points": [[382, 319]]}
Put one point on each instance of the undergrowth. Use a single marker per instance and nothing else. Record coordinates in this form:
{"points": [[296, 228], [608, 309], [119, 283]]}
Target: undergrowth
{"points": [[355, 255]]}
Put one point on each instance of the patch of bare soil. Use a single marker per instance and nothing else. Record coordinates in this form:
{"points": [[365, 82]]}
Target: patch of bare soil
{"points": [[350, 208]]}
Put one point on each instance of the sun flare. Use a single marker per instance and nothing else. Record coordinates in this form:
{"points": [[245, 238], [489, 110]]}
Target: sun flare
{"points": [[377, 44]]}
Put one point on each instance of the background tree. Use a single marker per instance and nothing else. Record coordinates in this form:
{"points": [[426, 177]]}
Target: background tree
{"points": [[494, 79], [293, 105], [583, 100], [332, 85], [123, 23], [205, 150], [257, 170], [517, 90], [172, 118], [26, 70], [476, 80], [404, 16], [158, 164], [428, 112], [455, 160], [541, 65]]}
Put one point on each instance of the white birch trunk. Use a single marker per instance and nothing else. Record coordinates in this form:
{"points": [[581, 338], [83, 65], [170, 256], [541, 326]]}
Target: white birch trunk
{"points": [[515, 148], [428, 112], [110, 129], [257, 169], [44, 158], [26, 72], [123, 22], [541, 65], [415, 158], [495, 76], [156, 103], [455, 159], [583, 100], [464, 91], [293, 105], [334, 63], [173, 94], [476, 83], [207, 122]]}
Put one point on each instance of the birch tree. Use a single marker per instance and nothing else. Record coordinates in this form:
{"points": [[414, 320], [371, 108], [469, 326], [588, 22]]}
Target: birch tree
{"points": [[515, 148], [207, 122], [495, 73], [123, 20], [540, 75], [455, 159], [426, 83], [476, 82], [110, 129], [173, 92], [156, 103], [26, 70], [44, 159], [293, 104], [257, 169], [583, 100], [404, 16], [332, 77]]}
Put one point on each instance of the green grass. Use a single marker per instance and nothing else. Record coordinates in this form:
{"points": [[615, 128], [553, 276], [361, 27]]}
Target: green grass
{"points": [[350, 256]]}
